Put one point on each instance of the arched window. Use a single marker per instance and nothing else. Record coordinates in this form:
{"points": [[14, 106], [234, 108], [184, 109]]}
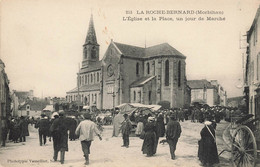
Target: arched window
{"points": [[91, 78], [137, 68], [97, 76], [85, 53], [150, 97], [94, 77], [93, 52], [85, 79], [148, 68], [166, 81], [134, 96], [179, 73]]}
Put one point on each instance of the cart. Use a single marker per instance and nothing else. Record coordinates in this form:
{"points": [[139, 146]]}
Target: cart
{"points": [[242, 140]]}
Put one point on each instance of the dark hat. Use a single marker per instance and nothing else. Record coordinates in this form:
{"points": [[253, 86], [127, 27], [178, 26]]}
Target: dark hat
{"points": [[172, 116], [87, 116], [125, 115], [61, 113]]}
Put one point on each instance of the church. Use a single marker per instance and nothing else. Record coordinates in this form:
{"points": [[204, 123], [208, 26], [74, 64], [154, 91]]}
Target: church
{"points": [[130, 74]]}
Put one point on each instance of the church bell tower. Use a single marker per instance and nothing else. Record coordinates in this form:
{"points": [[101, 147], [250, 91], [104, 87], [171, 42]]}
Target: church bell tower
{"points": [[91, 47]]}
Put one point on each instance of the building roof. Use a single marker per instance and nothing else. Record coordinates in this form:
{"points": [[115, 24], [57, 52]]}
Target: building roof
{"points": [[253, 24], [34, 105], [130, 51], [163, 49], [22, 94], [1, 62], [94, 66], [199, 84], [85, 88], [142, 81]]}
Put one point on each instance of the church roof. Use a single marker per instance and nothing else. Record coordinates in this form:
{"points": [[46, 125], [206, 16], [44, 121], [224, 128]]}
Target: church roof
{"points": [[200, 84], [131, 51], [91, 35], [93, 66], [85, 88], [163, 49], [142, 81]]}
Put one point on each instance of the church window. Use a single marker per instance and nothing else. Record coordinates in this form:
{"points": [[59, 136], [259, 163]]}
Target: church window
{"points": [[93, 52], [140, 96], [137, 68], [94, 78], [148, 68], [166, 82], [91, 78], [85, 53], [134, 96], [85, 79], [150, 97], [179, 73], [97, 76]]}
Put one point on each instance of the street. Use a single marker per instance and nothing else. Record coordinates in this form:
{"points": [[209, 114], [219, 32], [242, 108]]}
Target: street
{"points": [[109, 152]]}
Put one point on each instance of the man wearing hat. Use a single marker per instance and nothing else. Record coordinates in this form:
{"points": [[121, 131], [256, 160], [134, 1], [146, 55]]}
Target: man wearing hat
{"points": [[59, 130], [43, 125], [86, 130], [126, 127], [173, 133]]}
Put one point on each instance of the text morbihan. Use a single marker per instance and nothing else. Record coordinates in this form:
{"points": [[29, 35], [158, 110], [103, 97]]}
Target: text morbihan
{"points": [[180, 12]]}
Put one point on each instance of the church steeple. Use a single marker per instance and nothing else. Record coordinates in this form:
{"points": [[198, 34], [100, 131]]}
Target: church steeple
{"points": [[91, 47], [91, 35]]}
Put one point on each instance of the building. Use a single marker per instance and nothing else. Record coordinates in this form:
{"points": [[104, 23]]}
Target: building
{"points": [[5, 99], [32, 108], [19, 98], [203, 91], [221, 92], [252, 72], [129, 74], [238, 102]]}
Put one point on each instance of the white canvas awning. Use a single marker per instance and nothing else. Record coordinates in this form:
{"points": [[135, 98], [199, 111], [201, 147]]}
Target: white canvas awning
{"points": [[48, 108]]}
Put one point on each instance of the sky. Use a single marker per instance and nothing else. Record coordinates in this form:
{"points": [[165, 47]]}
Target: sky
{"points": [[41, 40]]}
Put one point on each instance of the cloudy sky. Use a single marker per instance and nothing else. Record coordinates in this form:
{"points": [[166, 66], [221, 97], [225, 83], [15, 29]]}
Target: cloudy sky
{"points": [[41, 40]]}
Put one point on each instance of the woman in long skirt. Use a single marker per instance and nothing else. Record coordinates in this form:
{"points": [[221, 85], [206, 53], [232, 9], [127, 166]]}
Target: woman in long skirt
{"points": [[149, 143], [207, 153]]}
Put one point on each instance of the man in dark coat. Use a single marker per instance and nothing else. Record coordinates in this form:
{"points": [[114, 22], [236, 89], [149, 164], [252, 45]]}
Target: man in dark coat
{"points": [[59, 130], [4, 131], [23, 129], [173, 133], [72, 128], [43, 125], [126, 130]]}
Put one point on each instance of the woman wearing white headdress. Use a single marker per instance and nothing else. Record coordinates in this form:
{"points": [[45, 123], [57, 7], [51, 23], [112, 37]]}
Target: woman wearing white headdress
{"points": [[208, 153]]}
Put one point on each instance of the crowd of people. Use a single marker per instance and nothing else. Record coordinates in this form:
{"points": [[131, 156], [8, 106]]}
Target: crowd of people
{"points": [[149, 127], [17, 128]]}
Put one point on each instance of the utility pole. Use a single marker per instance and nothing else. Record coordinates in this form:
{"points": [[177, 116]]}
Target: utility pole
{"points": [[78, 78]]}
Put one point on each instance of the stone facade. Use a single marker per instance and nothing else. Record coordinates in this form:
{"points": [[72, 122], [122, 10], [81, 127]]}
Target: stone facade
{"points": [[5, 99], [252, 79], [203, 91], [130, 74]]}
